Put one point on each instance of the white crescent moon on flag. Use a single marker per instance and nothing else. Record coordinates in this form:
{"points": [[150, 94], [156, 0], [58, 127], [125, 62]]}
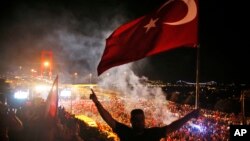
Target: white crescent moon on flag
{"points": [[191, 13]]}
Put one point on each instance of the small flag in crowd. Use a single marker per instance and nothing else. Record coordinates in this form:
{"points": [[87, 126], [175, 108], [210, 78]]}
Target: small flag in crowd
{"points": [[52, 100]]}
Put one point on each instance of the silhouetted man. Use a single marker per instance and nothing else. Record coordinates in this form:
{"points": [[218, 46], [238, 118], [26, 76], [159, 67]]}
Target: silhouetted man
{"points": [[138, 132]]}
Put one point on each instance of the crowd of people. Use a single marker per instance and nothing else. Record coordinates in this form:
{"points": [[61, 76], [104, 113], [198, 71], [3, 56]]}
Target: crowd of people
{"points": [[28, 123], [211, 125]]}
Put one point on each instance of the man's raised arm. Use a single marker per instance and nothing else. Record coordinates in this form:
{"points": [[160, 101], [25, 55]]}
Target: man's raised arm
{"points": [[103, 112]]}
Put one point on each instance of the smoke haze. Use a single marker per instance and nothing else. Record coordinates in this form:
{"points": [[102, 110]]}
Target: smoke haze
{"points": [[76, 35]]}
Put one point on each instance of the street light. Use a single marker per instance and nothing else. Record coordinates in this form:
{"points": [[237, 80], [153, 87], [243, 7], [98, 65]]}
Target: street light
{"points": [[20, 70], [33, 71], [75, 76]]}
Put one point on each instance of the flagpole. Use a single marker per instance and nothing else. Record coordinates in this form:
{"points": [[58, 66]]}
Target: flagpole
{"points": [[243, 107], [57, 93], [197, 88]]}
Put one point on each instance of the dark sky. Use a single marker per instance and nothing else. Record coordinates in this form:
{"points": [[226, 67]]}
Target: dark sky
{"points": [[75, 31]]}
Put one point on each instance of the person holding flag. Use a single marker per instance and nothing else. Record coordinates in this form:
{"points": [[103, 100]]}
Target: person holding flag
{"points": [[138, 132], [173, 25]]}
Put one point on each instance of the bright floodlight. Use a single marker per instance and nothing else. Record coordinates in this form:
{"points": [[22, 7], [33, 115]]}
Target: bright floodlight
{"points": [[65, 93], [21, 94]]}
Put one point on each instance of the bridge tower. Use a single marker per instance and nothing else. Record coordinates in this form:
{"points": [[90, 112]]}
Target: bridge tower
{"points": [[46, 64]]}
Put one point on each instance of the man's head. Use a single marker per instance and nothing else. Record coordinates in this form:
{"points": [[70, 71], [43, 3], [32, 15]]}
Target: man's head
{"points": [[137, 119]]}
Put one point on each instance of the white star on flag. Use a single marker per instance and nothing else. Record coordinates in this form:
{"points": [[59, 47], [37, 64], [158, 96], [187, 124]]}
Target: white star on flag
{"points": [[151, 24]]}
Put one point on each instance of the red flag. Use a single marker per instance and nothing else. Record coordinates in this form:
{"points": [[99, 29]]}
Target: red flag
{"points": [[52, 100], [173, 25]]}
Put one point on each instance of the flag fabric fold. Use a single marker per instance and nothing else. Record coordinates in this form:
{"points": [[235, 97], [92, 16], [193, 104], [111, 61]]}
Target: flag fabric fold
{"points": [[173, 25], [52, 100]]}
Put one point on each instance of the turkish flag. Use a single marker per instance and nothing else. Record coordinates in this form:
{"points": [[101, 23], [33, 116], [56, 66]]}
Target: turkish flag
{"points": [[173, 25], [52, 100]]}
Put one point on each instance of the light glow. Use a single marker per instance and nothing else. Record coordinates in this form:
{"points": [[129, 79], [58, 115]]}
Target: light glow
{"points": [[46, 63], [42, 88], [21, 94], [65, 93]]}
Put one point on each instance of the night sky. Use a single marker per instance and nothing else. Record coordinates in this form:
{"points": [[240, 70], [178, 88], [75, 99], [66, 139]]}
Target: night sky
{"points": [[76, 31]]}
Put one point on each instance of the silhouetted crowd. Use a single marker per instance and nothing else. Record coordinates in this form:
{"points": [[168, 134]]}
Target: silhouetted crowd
{"points": [[28, 123]]}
